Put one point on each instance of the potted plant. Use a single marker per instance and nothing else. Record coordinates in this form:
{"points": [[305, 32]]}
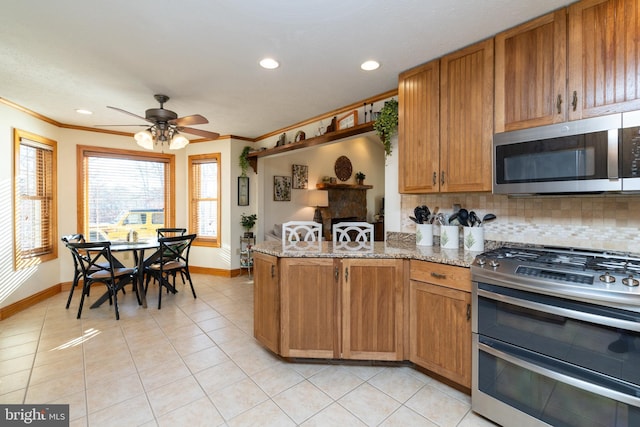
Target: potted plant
{"points": [[386, 125], [360, 178], [248, 221], [244, 160]]}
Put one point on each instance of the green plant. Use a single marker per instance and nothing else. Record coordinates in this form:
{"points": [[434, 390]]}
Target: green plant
{"points": [[386, 125], [248, 221], [360, 176], [244, 160]]}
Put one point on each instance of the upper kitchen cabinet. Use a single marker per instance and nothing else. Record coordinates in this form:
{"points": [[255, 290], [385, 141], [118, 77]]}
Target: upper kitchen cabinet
{"points": [[466, 113], [418, 129], [446, 123], [531, 73], [604, 57]]}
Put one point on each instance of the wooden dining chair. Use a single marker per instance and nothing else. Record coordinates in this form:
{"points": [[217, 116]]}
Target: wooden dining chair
{"points": [[98, 266], [77, 269], [173, 258]]}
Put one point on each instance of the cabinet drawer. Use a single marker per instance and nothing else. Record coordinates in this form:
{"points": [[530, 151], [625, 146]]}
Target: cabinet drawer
{"points": [[441, 274]]}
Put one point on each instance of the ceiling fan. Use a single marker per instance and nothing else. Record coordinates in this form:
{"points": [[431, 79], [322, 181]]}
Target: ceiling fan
{"points": [[166, 126]]}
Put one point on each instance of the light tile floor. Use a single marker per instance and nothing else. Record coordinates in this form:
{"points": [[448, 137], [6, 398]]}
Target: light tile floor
{"points": [[195, 363]]}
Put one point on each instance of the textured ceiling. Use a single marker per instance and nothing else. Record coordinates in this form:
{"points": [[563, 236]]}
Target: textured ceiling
{"points": [[57, 56]]}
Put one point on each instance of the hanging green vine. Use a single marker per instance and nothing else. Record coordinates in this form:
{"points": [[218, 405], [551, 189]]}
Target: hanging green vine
{"points": [[386, 125], [244, 160]]}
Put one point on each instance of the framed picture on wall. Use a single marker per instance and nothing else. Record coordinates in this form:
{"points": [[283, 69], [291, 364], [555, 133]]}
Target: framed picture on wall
{"points": [[243, 191], [300, 175], [282, 188]]}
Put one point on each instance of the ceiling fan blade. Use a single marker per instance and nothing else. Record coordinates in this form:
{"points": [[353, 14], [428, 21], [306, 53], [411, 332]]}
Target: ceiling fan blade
{"points": [[102, 126], [199, 132], [131, 114], [195, 119]]}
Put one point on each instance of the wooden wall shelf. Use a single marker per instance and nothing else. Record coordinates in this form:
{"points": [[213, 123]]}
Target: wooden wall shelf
{"points": [[325, 186], [318, 140]]}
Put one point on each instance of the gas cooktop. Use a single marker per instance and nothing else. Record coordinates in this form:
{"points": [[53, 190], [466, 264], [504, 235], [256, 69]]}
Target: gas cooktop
{"points": [[563, 272]]}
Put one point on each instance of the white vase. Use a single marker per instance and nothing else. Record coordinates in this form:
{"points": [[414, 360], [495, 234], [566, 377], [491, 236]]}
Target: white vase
{"points": [[473, 239], [424, 234], [449, 236]]}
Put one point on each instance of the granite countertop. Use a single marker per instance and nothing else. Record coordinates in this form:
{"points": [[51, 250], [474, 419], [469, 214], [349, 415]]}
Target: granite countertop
{"points": [[389, 249]]}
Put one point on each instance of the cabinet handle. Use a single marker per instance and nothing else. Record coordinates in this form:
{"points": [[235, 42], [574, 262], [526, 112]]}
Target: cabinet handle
{"points": [[346, 274], [559, 104], [442, 178], [574, 101], [468, 311], [435, 178], [273, 271], [336, 273], [438, 275]]}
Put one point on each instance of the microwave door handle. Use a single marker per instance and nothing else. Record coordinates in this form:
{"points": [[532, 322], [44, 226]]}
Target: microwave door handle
{"points": [[612, 154]]}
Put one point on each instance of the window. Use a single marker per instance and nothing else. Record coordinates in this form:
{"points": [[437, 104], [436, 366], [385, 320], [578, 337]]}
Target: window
{"points": [[122, 191], [35, 198], [204, 189]]}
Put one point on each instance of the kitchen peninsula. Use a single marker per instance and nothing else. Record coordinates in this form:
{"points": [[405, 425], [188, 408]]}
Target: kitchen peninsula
{"points": [[391, 301]]}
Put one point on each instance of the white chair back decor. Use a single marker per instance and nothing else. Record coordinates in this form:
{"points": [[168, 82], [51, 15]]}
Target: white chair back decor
{"points": [[302, 235], [353, 236]]}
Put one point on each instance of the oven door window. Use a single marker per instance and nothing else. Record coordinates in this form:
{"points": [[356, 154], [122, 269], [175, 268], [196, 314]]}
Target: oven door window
{"points": [[548, 399], [605, 349], [568, 158]]}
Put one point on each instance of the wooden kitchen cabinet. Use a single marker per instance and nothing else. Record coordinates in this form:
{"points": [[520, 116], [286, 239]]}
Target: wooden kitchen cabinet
{"points": [[310, 313], [445, 121], [440, 320], [530, 73], [372, 309], [577, 62], [266, 307], [604, 57], [466, 119], [419, 129]]}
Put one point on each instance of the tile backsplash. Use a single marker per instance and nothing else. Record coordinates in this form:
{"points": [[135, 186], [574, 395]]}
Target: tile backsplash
{"points": [[610, 222]]}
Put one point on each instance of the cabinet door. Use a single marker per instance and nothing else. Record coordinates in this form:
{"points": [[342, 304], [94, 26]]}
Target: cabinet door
{"points": [[372, 309], [466, 119], [440, 330], [266, 301], [310, 318], [530, 73], [418, 129], [604, 57]]}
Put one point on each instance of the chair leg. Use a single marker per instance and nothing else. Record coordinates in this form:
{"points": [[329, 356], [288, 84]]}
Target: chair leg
{"points": [[84, 292], [193, 291], [76, 280], [159, 291], [114, 291]]}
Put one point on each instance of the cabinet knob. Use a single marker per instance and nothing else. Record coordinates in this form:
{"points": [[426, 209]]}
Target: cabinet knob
{"points": [[273, 270], [559, 104], [574, 100], [468, 311], [435, 178], [442, 178], [336, 273]]}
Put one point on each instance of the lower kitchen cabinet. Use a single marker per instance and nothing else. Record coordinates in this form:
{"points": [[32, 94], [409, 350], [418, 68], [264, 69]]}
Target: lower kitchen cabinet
{"points": [[440, 320], [309, 308], [372, 309], [266, 295]]}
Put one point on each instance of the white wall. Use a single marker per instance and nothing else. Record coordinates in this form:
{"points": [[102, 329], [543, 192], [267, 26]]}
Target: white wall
{"points": [[366, 154]]}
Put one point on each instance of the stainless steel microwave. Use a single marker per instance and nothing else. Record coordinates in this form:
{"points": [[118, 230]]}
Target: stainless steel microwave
{"points": [[600, 154]]}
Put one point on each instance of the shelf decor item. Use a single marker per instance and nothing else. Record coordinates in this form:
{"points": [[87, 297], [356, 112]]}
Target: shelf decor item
{"points": [[386, 125], [282, 188], [243, 191], [360, 178], [300, 175], [343, 168], [347, 121], [248, 221], [243, 160]]}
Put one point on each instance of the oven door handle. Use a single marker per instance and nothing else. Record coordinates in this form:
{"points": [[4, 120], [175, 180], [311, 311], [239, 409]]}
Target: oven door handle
{"points": [[566, 312], [557, 376]]}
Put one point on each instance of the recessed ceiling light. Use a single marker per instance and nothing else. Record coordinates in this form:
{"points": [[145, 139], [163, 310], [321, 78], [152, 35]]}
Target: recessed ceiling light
{"points": [[370, 65], [269, 63], [82, 111]]}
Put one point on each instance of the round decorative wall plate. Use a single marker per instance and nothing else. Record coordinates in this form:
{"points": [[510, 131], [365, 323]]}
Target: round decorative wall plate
{"points": [[343, 168]]}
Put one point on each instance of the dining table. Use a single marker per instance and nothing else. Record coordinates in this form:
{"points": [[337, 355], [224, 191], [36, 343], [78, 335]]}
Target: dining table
{"points": [[138, 250]]}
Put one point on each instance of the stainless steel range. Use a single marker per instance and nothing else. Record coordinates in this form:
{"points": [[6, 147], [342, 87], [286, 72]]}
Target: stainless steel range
{"points": [[556, 337]]}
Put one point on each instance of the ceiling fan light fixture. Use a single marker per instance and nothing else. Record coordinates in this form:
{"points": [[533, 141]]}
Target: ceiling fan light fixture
{"points": [[178, 141], [269, 63], [144, 138]]}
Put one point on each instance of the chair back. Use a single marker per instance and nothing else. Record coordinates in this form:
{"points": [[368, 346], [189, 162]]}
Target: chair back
{"points": [[170, 232], [94, 259], [73, 238], [301, 231], [353, 235], [175, 249]]}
